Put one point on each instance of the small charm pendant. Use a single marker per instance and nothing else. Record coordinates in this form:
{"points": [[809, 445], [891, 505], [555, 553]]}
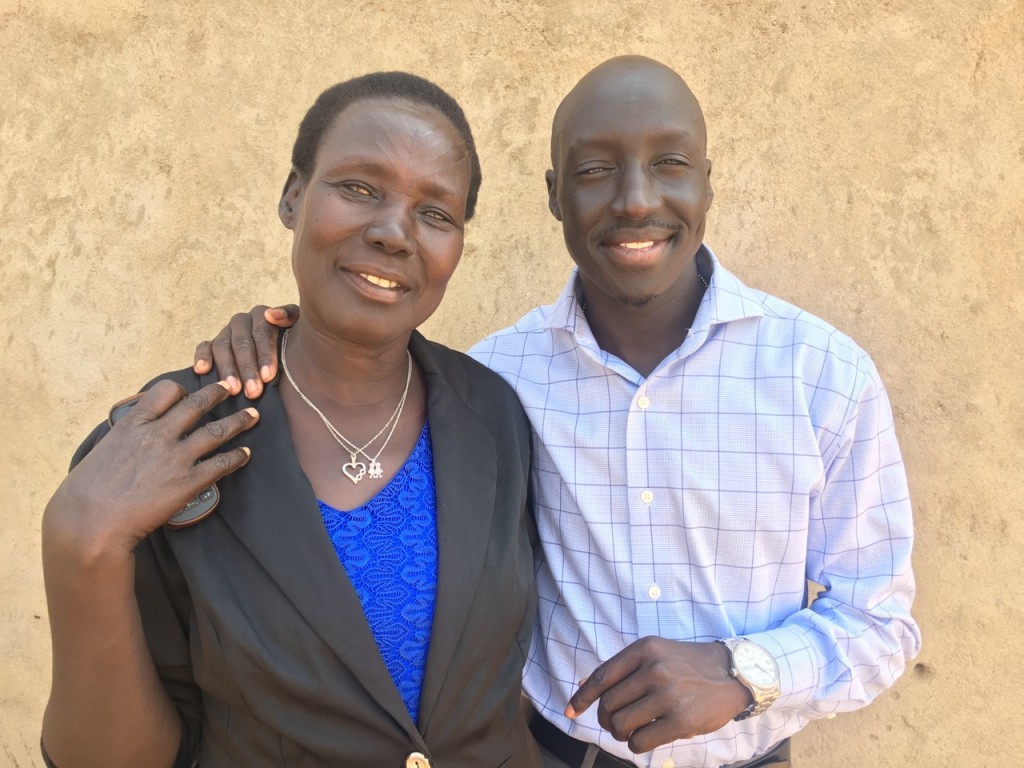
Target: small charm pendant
{"points": [[375, 470], [354, 470]]}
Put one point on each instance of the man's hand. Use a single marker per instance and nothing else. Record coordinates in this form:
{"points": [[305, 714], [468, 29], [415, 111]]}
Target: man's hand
{"points": [[656, 691], [245, 351]]}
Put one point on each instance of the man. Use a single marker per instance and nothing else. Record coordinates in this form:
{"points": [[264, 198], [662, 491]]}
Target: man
{"points": [[702, 450]]}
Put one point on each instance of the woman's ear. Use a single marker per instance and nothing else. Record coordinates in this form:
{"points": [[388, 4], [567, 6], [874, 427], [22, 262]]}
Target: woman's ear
{"points": [[291, 196]]}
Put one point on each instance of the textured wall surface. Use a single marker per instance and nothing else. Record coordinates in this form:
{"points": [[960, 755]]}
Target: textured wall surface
{"points": [[869, 166]]}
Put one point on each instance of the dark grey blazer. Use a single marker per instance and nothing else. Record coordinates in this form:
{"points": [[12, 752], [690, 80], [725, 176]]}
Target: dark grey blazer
{"points": [[260, 637]]}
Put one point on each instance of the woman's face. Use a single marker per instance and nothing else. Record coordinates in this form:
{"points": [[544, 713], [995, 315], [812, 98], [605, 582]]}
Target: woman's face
{"points": [[378, 225]]}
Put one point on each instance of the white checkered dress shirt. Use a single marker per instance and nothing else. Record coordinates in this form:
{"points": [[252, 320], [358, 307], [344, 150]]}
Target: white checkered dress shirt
{"points": [[693, 504]]}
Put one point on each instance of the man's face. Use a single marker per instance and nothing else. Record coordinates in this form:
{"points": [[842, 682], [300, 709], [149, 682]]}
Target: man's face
{"points": [[631, 183]]}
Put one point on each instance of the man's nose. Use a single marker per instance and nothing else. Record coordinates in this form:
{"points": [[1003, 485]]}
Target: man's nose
{"points": [[635, 196], [392, 229]]}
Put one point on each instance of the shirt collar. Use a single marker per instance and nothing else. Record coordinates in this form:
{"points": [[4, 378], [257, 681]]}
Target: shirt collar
{"points": [[726, 299]]}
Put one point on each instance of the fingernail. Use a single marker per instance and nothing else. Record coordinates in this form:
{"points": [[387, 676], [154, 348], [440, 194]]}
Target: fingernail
{"points": [[253, 412], [570, 712], [265, 372], [233, 384], [201, 366], [251, 388], [225, 384]]}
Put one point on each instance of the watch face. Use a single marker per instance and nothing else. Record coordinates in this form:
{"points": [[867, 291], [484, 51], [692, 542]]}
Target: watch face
{"points": [[756, 664]]}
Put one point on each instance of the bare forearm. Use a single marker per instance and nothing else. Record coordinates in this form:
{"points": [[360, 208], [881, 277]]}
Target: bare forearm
{"points": [[107, 706]]}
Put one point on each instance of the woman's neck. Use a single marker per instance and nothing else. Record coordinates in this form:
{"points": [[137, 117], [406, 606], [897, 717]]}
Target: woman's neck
{"points": [[348, 374]]}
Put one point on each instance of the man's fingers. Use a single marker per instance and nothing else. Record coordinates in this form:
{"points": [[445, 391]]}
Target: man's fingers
{"points": [[224, 361], [284, 316], [657, 732], [202, 360], [600, 680], [243, 350], [628, 705], [266, 325], [244, 353]]}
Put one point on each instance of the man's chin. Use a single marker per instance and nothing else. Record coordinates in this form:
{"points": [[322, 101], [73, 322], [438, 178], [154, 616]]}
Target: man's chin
{"points": [[637, 301]]}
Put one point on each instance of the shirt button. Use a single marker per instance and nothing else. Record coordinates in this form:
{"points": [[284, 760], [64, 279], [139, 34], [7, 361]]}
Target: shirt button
{"points": [[654, 592], [670, 763], [417, 760], [643, 402], [647, 497]]}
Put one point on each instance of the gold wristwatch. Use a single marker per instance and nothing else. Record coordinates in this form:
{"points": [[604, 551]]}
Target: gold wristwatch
{"points": [[757, 669]]}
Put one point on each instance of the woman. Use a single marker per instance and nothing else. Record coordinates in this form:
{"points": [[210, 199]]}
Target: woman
{"points": [[363, 594]]}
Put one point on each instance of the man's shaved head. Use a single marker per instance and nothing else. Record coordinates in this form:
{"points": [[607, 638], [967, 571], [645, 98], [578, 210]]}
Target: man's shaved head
{"points": [[612, 84]]}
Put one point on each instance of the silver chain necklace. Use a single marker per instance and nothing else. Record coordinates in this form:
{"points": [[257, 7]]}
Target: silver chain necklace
{"points": [[354, 470]]}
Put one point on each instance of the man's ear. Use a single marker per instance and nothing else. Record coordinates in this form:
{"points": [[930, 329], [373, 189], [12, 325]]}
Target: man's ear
{"points": [[291, 196], [552, 181], [711, 190]]}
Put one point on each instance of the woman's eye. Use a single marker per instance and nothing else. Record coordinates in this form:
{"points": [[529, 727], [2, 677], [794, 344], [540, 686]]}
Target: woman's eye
{"points": [[438, 216]]}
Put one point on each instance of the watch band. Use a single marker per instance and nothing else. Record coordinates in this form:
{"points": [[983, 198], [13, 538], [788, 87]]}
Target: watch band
{"points": [[764, 696]]}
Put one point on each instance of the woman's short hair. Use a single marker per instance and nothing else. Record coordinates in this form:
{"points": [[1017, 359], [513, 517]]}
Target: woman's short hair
{"points": [[381, 85]]}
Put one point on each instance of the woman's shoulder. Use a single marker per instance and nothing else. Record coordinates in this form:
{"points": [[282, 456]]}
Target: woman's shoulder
{"points": [[475, 384], [456, 367], [189, 380]]}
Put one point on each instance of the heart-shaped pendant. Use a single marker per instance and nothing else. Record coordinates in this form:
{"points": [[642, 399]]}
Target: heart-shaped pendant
{"points": [[354, 470]]}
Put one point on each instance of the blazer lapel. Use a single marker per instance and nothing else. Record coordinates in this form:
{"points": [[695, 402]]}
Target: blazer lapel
{"points": [[465, 475], [274, 513]]}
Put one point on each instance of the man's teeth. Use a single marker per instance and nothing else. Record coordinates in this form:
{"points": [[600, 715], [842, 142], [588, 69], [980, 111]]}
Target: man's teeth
{"points": [[638, 246], [379, 281]]}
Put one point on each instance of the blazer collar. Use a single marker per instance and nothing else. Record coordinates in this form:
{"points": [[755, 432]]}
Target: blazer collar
{"points": [[465, 475], [276, 516]]}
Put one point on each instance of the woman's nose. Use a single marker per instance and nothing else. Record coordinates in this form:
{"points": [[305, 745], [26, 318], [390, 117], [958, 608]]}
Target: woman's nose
{"points": [[392, 230]]}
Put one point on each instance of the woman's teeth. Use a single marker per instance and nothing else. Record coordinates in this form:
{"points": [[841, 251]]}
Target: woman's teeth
{"points": [[379, 281]]}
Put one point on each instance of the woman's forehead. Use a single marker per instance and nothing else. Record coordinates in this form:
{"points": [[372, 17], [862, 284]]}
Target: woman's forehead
{"points": [[418, 126], [385, 132]]}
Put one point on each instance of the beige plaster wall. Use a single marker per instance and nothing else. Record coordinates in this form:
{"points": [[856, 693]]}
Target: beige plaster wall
{"points": [[868, 165]]}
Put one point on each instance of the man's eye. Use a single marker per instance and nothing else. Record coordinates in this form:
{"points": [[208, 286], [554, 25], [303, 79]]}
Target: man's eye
{"points": [[593, 171], [359, 189]]}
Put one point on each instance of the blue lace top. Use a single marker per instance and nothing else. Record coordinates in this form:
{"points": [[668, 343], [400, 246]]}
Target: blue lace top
{"points": [[389, 549]]}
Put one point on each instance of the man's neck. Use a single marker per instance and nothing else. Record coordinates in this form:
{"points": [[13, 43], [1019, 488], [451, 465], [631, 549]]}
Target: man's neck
{"points": [[642, 336]]}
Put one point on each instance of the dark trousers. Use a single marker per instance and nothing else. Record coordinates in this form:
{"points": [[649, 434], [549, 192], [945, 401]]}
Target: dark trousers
{"points": [[563, 751]]}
